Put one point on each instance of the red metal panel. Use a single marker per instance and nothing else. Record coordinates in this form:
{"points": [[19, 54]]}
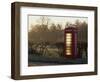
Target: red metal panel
{"points": [[73, 31]]}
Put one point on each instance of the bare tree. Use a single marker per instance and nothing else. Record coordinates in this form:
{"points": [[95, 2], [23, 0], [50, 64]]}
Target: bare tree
{"points": [[59, 27], [53, 27]]}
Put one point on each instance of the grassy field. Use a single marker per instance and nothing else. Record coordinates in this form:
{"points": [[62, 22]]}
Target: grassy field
{"points": [[34, 60], [52, 57]]}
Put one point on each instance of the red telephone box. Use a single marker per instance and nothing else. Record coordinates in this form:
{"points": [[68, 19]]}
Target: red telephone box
{"points": [[70, 42]]}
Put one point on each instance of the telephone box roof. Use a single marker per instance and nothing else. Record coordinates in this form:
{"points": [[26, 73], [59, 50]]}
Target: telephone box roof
{"points": [[70, 28]]}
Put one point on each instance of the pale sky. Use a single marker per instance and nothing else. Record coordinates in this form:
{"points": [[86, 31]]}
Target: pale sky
{"points": [[34, 19]]}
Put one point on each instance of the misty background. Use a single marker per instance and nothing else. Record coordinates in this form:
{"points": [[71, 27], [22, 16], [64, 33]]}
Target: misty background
{"points": [[46, 35]]}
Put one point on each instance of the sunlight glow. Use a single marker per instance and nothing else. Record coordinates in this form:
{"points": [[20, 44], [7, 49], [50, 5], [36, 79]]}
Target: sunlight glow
{"points": [[68, 43]]}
